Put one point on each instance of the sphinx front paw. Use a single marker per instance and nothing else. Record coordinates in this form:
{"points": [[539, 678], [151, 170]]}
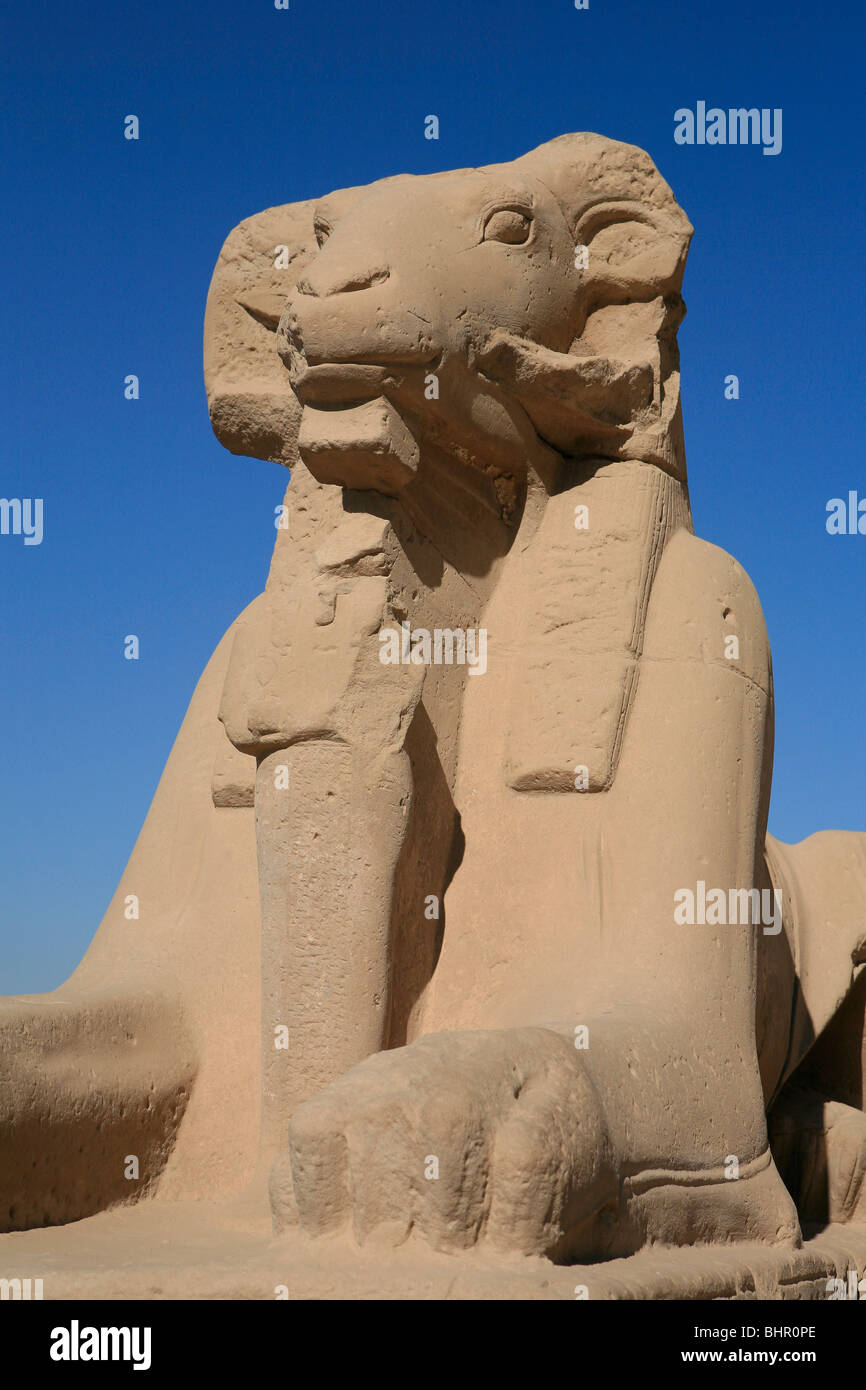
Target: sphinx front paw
{"points": [[461, 1137]]}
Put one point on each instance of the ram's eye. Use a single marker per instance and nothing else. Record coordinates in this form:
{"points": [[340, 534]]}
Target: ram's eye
{"points": [[322, 231], [508, 225]]}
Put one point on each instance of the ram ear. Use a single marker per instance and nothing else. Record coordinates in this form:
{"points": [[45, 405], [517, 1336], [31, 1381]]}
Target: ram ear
{"points": [[265, 307], [580, 405], [632, 252]]}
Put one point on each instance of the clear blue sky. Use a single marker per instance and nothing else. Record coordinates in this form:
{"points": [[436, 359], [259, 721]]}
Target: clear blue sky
{"points": [[152, 528]]}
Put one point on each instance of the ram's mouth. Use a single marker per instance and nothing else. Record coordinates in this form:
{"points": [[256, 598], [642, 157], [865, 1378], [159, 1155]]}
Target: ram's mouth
{"points": [[337, 384]]}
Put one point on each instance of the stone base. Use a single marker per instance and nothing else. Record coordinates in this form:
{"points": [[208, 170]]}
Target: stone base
{"points": [[203, 1251]]}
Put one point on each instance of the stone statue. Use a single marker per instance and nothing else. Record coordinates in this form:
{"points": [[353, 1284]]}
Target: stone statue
{"points": [[457, 912]]}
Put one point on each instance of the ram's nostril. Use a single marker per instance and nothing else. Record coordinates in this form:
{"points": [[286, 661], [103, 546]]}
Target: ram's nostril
{"points": [[373, 276], [323, 281]]}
